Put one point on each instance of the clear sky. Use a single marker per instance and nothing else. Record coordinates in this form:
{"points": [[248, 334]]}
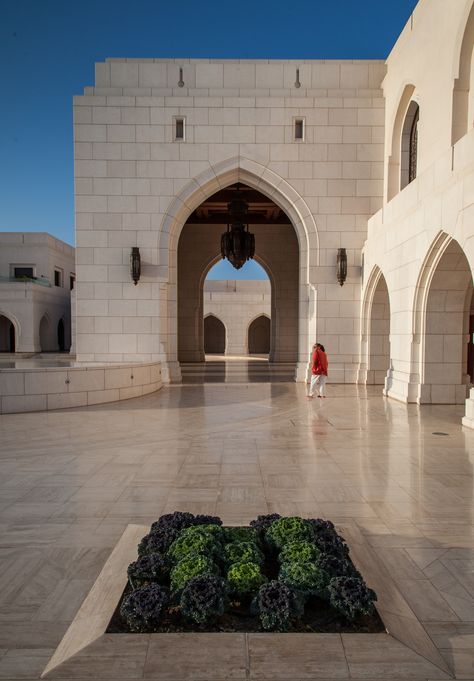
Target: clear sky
{"points": [[48, 49]]}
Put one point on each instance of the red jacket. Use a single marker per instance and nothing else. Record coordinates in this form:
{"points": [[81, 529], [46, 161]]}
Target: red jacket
{"points": [[320, 363]]}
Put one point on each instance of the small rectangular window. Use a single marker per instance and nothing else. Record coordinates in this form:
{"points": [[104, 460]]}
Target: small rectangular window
{"points": [[179, 128], [299, 129], [72, 280], [58, 277], [22, 272]]}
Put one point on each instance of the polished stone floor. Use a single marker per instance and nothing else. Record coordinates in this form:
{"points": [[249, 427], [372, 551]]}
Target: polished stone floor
{"points": [[72, 480]]}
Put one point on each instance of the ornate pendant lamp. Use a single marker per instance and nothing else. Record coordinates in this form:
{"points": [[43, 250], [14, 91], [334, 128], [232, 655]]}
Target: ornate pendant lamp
{"points": [[237, 243]]}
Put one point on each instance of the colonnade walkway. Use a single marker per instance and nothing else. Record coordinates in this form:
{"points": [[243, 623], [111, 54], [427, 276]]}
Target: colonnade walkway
{"points": [[398, 477]]}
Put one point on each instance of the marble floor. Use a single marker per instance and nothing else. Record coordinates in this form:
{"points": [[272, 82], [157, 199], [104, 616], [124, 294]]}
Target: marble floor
{"points": [[71, 481]]}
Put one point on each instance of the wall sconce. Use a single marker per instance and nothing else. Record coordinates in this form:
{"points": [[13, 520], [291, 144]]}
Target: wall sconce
{"points": [[341, 265], [135, 264]]}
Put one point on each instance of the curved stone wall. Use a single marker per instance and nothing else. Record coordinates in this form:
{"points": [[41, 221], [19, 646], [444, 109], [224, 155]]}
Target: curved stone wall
{"points": [[45, 388]]}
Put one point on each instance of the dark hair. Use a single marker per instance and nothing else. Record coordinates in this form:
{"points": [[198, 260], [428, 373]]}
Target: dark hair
{"points": [[321, 347]]}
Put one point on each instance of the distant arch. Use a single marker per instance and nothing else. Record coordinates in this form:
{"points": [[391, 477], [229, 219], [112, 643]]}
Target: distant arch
{"points": [[463, 90], [8, 335], [214, 335], [258, 335]]}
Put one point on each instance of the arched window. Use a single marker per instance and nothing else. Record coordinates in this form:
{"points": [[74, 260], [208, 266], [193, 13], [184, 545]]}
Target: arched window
{"points": [[7, 335], [463, 91], [409, 145]]}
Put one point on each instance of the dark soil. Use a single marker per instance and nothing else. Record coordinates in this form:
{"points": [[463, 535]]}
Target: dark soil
{"points": [[318, 617]]}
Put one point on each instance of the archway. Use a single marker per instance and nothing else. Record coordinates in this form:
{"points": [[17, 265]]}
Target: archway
{"points": [[395, 158], [259, 336], [7, 335], [61, 341], [222, 174], [409, 145], [442, 308], [375, 346], [276, 250], [214, 336]]}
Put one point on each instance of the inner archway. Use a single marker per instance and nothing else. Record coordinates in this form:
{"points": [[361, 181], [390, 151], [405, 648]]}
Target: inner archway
{"points": [[276, 250], [46, 335], [61, 342], [259, 336], [448, 296], [7, 335], [379, 339], [214, 336]]}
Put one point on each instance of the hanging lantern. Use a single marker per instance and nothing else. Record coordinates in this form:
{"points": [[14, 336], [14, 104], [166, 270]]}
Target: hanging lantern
{"points": [[135, 264], [341, 265], [237, 244]]}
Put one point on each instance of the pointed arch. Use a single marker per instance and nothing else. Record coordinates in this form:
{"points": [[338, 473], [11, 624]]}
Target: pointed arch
{"points": [[441, 324], [215, 335], [375, 330], [258, 334], [259, 177], [395, 157], [9, 332]]}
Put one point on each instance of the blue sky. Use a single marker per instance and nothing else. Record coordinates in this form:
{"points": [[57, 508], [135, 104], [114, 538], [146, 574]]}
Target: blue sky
{"points": [[48, 49]]}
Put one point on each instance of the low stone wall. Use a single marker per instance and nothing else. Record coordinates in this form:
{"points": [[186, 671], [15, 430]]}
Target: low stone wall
{"points": [[45, 388]]}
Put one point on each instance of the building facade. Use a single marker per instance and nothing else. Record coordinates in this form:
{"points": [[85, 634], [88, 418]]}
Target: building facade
{"points": [[37, 274], [237, 317], [370, 156]]}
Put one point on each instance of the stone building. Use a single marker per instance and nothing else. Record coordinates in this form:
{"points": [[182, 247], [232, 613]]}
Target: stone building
{"points": [[237, 317], [37, 274], [368, 156]]}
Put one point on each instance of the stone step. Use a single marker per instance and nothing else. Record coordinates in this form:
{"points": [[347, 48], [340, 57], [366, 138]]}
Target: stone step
{"points": [[238, 371]]}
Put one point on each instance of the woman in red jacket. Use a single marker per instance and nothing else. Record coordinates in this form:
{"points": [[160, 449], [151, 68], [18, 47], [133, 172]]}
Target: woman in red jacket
{"points": [[319, 371]]}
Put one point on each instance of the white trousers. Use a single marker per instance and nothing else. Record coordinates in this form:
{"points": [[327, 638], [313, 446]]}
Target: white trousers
{"points": [[318, 383]]}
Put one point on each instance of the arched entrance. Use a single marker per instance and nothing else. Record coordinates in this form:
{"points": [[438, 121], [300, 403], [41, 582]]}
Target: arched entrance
{"points": [[257, 176], [7, 335], [375, 346], [214, 336], [443, 308], [276, 250], [259, 336]]}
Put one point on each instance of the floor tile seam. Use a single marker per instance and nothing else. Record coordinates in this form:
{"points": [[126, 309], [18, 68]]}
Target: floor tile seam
{"points": [[437, 648], [345, 656]]}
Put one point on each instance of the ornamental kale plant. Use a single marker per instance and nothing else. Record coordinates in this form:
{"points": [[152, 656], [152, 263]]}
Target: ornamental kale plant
{"points": [[275, 604], [204, 598], [245, 578], [143, 608], [284, 530], [321, 526], [207, 520], [304, 577], [242, 552], [351, 596], [302, 551], [239, 534], [178, 520], [263, 522], [332, 544], [195, 540], [191, 566], [149, 568], [157, 541]]}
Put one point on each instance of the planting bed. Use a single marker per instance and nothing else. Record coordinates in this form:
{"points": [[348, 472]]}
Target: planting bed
{"points": [[277, 574]]}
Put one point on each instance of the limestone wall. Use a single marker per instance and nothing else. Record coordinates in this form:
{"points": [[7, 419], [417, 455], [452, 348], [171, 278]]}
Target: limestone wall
{"points": [[237, 304], [136, 185]]}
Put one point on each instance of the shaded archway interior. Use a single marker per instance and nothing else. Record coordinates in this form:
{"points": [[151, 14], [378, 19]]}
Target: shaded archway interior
{"points": [[214, 336], [447, 324], [7, 335], [379, 339], [276, 249], [259, 336]]}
